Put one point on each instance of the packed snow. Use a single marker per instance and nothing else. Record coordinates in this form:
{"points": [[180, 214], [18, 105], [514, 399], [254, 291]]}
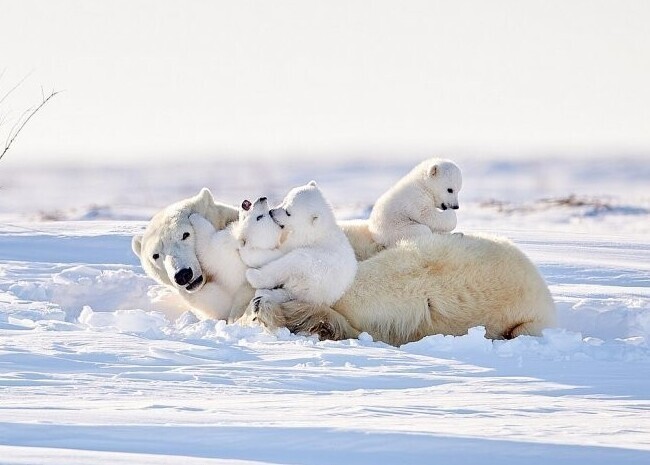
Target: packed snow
{"points": [[98, 364]]}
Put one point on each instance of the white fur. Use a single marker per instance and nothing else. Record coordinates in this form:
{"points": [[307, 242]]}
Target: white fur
{"points": [[218, 253], [258, 234], [318, 263], [420, 204], [441, 285], [164, 238]]}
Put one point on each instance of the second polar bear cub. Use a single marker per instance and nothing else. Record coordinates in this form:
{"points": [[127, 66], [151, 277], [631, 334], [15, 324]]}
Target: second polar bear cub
{"points": [[318, 263], [421, 203]]}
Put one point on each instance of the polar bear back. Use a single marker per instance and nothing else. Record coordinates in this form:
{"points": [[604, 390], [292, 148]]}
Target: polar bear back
{"points": [[445, 286]]}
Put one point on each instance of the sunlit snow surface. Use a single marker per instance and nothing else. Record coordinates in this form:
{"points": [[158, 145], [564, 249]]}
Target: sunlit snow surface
{"points": [[98, 365]]}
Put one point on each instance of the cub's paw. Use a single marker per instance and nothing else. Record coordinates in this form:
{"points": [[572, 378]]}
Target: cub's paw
{"points": [[254, 278]]}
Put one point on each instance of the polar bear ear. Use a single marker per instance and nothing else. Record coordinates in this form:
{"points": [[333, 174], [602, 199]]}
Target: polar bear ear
{"points": [[136, 245], [312, 183], [314, 220], [433, 170], [204, 197]]}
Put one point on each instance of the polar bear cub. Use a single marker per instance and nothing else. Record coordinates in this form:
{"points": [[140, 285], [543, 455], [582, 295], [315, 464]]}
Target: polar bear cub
{"points": [[258, 234], [225, 254], [318, 263], [421, 203]]}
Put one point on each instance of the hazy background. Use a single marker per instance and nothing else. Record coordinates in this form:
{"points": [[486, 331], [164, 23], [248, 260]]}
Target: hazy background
{"points": [[176, 80]]}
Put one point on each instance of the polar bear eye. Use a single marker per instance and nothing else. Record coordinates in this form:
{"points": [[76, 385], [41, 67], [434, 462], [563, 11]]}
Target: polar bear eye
{"points": [[185, 236], [155, 256], [450, 190], [260, 217]]}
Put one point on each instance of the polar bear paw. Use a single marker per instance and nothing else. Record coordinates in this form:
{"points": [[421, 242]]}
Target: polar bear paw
{"points": [[268, 313], [255, 278]]}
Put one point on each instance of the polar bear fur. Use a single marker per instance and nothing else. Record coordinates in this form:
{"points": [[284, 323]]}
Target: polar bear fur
{"points": [[420, 204], [420, 287], [430, 285], [218, 252], [258, 233], [318, 263], [170, 238], [164, 236]]}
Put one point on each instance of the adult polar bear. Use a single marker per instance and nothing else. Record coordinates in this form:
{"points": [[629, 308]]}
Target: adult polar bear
{"points": [[432, 285]]}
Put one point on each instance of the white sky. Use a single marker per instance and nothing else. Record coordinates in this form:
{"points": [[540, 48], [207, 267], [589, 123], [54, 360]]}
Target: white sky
{"points": [[165, 79]]}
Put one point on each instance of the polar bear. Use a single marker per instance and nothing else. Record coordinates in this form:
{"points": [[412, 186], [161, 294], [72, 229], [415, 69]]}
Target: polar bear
{"points": [[317, 263], [225, 254], [421, 203], [429, 285], [258, 234], [419, 287], [167, 252]]}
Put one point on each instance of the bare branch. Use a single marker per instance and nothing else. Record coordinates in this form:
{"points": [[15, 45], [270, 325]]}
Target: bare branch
{"points": [[22, 121]]}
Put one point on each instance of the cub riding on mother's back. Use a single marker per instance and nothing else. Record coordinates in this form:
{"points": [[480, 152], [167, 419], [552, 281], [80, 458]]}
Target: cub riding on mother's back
{"points": [[421, 203]]}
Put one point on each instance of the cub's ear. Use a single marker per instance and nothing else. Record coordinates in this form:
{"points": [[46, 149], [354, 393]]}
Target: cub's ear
{"points": [[136, 245], [312, 183], [433, 170]]}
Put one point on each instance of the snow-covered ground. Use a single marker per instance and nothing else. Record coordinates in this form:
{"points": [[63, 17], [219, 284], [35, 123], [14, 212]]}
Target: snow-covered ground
{"points": [[100, 365]]}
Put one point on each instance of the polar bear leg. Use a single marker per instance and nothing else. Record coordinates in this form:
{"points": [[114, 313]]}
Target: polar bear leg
{"points": [[241, 300], [529, 328], [261, 278], [442, 221], [301, 317], [407, 231], [273, 274], [213, 301]]}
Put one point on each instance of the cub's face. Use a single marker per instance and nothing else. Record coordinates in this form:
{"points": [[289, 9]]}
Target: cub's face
{"points": [[257, 228], [303, 211], [444, 181]]}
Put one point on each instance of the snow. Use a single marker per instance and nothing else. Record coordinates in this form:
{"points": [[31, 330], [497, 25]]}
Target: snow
{"points": [[98, 364]]}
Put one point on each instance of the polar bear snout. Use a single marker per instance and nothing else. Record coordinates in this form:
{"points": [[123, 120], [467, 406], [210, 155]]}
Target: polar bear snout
{"points": [[184, 276], [184, 279], [274, 213]]}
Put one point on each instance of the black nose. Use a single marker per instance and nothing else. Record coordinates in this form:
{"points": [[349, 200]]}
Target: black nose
{"points": [[183, 277], [455, 207]]}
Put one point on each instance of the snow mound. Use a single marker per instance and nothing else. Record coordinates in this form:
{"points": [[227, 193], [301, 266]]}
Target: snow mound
{"points": [[555, 344], [149, 324], [64, 294]]}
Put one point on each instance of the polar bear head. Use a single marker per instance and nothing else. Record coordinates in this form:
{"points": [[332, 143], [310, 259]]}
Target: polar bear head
{"points": [[256, 227], [305, 214], [166, 249], [443, 180]]}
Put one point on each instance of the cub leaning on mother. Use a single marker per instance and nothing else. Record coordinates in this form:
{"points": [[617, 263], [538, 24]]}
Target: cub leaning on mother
{"points": [[431, 285]]}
